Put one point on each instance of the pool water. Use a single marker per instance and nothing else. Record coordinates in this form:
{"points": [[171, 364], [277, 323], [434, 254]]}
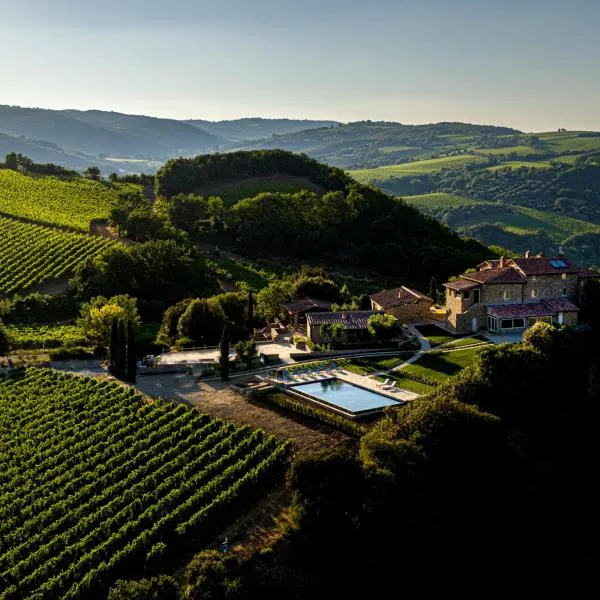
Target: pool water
{"points": [[346, 396]]}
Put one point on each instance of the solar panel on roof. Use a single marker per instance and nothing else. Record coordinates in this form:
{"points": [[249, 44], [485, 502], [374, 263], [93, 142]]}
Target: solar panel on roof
{"points": [[558, 263]]}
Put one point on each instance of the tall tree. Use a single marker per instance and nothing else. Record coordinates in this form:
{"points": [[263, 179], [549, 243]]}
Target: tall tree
{"points": [[121, 356], [224, 357], [4, 342], [250, 313], [131, 354], [112, 351]]}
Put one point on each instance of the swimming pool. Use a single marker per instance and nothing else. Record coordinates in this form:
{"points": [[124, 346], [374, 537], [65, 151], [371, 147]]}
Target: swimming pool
{"points": [[345, 396]]}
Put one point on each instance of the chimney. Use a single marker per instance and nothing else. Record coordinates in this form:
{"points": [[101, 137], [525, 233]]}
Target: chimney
{"points": [[527, 253], [502, 262]]}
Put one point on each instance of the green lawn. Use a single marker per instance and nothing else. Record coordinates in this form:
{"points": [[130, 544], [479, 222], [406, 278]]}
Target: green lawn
{"points": [[373, 364], [436, 335], [440, 366], [417, 167], [468, 341], [411, 385]]}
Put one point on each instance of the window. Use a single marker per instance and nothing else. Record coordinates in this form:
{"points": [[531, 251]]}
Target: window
{"points": [[476, 296], [533, 278], [564, 292], [492, 323], [534, 293], [506, 295], [466, 294], [564, 275], [506, 324], [517, 323]]}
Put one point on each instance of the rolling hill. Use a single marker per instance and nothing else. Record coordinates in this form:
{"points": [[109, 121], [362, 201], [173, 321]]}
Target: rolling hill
{"points": [[514, 227]]}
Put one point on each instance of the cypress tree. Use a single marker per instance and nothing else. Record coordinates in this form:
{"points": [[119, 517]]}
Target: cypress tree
{"points": [[131, 354], [250, 313], [121, 353], [112, 349], [224, 358]]}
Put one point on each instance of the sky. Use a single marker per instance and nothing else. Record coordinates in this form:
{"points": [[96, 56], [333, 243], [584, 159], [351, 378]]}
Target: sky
{"points": [[529, 64]]}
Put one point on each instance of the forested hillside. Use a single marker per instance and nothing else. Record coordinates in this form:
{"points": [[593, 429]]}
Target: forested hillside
{"points": [[347, 224]]}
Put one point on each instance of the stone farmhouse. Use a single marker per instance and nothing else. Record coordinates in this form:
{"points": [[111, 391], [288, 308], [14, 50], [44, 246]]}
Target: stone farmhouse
{"points": [[404, 303], [509, 295]]}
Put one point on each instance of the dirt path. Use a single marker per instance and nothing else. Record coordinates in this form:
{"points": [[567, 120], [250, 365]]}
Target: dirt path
{"points": [[221, 402]]}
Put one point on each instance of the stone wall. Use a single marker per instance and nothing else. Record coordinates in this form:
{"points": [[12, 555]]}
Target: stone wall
{"points": [[407, 313], [550, 286], [494, 293]]}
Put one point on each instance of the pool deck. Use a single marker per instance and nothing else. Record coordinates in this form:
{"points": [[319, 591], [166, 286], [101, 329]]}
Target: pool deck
{"points": [[359, 380]]}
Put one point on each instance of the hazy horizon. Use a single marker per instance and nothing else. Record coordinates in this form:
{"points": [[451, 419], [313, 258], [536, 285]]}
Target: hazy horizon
{"points": [[528, 67]]}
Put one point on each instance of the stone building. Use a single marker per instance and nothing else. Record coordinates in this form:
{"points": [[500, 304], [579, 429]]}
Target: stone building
{"points": [[509, 295], [355, 324], [296, 310], [404, 303]]}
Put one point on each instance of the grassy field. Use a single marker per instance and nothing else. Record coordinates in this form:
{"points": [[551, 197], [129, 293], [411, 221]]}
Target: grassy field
{"points": [[570, 141], [244, 275], [418, 387], [420, 167], [520, 151], [373, 364], [438, 367], [518, 164], [234, 191], [435, 335]]}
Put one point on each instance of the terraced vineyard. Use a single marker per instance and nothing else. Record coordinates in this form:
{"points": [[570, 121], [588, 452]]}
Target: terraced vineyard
{"points": [[68, 203], [93, 476], [34, 254]]}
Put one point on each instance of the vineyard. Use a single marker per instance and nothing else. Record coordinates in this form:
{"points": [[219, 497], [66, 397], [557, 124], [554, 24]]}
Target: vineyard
{"points": [[44, 336], [34, 254], [52, 201], [93, 476]]}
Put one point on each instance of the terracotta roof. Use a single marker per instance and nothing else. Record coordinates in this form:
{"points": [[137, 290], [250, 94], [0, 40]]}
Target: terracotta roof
{"points": [[588, 274], [398, 297], [461, 284], [545, 265], [560, 304], [497, 275], [297, 306], [356, 319], [520, 311]]}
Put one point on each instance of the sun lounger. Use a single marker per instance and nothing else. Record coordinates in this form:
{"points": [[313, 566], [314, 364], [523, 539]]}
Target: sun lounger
{"points": [[383, 383], [391, 387]]}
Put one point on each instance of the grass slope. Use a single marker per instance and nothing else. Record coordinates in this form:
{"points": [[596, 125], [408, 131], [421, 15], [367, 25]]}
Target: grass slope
{"points": [[458, 211], [440, 366], [419, 167], [65, 202]]}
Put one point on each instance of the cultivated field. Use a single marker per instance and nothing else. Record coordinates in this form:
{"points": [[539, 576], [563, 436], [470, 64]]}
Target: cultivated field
{"points": [[419, 167], [65, 202], [31, 255], [93, 477]]}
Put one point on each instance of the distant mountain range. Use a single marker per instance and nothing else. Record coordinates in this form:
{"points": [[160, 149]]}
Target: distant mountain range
{"points": [[113, 141]]}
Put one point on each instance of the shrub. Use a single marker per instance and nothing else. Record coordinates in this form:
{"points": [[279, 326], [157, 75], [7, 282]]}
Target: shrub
{"points": [[70, 353]]}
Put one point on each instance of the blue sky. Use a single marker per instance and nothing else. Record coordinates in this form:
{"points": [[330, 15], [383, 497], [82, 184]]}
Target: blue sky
{"points": [[531, 64]]}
